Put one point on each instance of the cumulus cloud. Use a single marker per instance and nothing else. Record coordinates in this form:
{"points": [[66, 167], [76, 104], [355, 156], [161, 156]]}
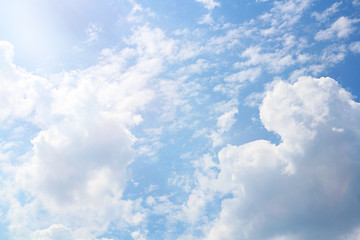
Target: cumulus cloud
{"points": [[341, 28], [76, 171], [306, 186]]}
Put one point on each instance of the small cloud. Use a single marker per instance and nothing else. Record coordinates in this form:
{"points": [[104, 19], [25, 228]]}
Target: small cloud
{"points": [[341, 28], [246, 75], [338, 130], [153, 187], [138, 12], [206, 19], [209, 4], [355, 47], [93, 32], [322, 17]]}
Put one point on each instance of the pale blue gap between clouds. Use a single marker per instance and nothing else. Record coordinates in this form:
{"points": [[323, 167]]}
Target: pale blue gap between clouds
{"points": [[160, 136]]}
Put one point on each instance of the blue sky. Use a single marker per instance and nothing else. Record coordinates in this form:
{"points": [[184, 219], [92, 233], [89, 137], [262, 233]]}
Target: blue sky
{"points": [[187, 120]]}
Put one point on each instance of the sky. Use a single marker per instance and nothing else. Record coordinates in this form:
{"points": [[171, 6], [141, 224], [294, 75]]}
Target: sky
{"points": [[179, 120]]}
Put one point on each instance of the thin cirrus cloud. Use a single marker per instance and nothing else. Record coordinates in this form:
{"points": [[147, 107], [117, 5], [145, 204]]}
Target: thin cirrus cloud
{"points": [[211, 128]]}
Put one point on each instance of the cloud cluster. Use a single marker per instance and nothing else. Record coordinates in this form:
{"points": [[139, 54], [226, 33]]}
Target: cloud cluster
{"points": [[305, 187], [76, 171], [180, 96]]}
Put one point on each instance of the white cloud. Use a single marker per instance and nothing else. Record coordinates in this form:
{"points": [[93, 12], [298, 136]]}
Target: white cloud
{"points": [[20, 89], [327, 13], [206, 19], [275, 61], [83, 145], [200, 66], [333, 54], [137, 235], [250, 74], [356, 3], [54, 232], [153, 42], [291, 190], [355, 47], [209, 4], [93, 32], [341, 28], [224, 124], [226, 120], [354, 235], [285, 14], [137, 12]]}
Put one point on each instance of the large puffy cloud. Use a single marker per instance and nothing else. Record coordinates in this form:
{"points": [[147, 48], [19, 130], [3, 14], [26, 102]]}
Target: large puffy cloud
{"points": [[75, 173], [306, 186]]}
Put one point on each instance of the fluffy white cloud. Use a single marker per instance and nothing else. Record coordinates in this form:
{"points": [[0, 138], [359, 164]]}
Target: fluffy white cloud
{"points": [[306, 186], [341, 28], [76, 172]]}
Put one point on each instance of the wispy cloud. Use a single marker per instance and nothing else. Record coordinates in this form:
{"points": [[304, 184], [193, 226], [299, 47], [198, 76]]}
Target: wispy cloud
{"points": [[322, 17]]}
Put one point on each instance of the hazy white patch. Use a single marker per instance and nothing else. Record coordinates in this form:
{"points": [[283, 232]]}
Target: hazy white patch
{"points": [[356, 3], [339, 130], [250, 74], [93, 32]]}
